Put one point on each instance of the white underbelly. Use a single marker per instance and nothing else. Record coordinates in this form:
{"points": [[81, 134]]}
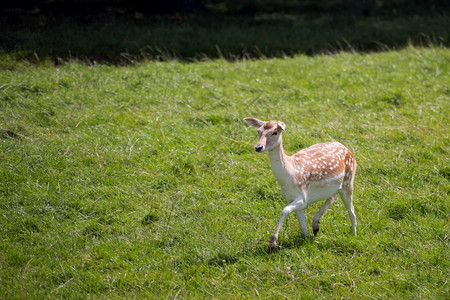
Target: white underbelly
{"points": [[318, 191]]}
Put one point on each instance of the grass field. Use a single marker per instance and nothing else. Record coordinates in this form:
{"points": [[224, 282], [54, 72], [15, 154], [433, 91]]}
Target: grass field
{"points": [[120, 41], [141, 180]]}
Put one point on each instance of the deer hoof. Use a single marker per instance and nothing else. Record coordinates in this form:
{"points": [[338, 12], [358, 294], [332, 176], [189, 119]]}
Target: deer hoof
{"points": [[315, 227], [316, 230], [272, 244], [271, 248]]}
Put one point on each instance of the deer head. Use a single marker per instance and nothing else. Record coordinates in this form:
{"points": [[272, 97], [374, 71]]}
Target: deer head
{"points": [[269, 133]]}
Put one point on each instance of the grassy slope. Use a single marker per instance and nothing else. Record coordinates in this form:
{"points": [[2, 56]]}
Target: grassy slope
{"points": [[141, 180], [193, 37]]}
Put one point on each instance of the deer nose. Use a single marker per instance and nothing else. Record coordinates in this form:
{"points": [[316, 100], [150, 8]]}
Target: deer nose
{"points": [[258, 148]]}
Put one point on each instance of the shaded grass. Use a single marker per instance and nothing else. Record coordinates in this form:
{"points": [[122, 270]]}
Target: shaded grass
{"points": [[194, 37], [140, 181]]}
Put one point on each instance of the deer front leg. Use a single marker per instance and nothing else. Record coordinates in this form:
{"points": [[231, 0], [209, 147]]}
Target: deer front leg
{"points": [[294, 206], [302, 221]]}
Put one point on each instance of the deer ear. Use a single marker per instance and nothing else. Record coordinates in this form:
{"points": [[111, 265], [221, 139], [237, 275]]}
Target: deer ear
{"points": [[281, 125], [254, 122]]}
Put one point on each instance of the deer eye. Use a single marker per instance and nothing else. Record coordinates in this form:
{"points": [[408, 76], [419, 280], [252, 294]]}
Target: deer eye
{"points": [[275, 133]]}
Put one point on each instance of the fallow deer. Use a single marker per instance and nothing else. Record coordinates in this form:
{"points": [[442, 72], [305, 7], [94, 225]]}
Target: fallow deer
{"points": [[318, 172]]}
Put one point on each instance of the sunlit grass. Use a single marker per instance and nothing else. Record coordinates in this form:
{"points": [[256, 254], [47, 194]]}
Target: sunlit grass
{"points": [[140, 181]]}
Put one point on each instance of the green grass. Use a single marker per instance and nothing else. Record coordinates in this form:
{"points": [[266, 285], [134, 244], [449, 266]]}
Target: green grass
{"points": [[114, 40], [141, 181]]}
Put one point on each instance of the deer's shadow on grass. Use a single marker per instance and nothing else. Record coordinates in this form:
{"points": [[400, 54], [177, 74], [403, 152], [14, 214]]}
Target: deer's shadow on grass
{"points": [[293, 242], [346, 245], [261, 250], [296, 241]]}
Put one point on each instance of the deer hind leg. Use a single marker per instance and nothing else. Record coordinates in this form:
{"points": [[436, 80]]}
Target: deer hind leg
{"points": [[347, 197], [316, 219]]}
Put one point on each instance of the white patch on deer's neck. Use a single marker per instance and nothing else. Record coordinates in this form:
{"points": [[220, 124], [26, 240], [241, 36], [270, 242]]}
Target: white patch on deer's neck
{"points": [[284, 173]]}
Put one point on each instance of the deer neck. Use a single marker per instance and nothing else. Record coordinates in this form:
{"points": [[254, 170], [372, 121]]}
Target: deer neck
{"points": [[281, 164]]}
